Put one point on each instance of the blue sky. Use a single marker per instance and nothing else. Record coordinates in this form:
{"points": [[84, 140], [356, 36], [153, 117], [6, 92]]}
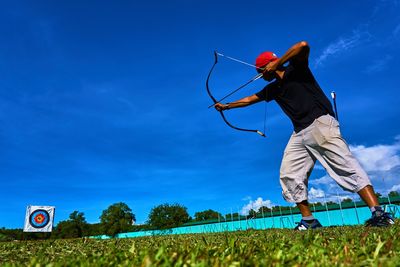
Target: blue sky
{"points": [[105, 101]]}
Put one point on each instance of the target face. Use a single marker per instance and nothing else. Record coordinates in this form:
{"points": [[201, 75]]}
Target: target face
{"points": [[39, 218]]}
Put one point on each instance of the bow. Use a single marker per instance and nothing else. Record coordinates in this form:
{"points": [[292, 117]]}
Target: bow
{"points": [[215, 101]]}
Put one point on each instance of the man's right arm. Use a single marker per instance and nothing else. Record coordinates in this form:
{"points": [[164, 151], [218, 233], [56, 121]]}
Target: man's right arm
{"points": [[298, 53]]}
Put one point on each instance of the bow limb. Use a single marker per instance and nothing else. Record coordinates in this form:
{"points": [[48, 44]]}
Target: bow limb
{"points": [[215, 101]]}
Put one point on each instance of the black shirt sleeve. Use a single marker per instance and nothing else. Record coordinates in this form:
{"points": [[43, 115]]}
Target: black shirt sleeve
{"points": [[269, 92], [299, 64]]}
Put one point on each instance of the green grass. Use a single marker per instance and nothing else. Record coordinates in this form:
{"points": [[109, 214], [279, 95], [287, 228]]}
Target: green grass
{"points": [[341, 246]]}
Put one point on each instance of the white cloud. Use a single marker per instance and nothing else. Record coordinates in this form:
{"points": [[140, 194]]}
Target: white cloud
{"points": [[247, 198], [382, 164], [343, 44], [366, 32], [379, 65], [256, 205], [326, 183], [324, 180], [335, 195], [378, 157], [314, 194], [395, 188]]}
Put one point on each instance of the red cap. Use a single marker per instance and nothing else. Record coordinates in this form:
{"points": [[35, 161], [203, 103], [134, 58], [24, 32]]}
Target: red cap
{"points": [[264, 58]]}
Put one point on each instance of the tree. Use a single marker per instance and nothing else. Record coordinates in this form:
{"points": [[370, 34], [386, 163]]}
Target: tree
{"points": [[316, 204], [347, 200], [233, 216], [75, 227], [378, 195], [252, 214], [207, 215], [264, 210], [117, 218], [394, 194], [167, 216], [94, 229], [329, 203], [79, 221], [228, 217]]}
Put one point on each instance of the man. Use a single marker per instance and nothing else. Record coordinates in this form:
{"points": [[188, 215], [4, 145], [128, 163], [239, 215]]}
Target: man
{"points": [[316, 134]]}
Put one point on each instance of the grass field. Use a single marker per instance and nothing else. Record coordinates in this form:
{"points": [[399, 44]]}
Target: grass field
{"points": [[340, 246]]}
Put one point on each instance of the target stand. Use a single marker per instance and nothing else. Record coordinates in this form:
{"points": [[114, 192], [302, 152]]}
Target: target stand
{"points": [[39, 219]]}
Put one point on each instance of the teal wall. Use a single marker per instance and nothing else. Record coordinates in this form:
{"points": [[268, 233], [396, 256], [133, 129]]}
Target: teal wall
{"points": [[338, 217]]}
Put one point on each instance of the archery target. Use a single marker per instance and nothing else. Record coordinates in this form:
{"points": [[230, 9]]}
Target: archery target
{"points": [[39, 219]]}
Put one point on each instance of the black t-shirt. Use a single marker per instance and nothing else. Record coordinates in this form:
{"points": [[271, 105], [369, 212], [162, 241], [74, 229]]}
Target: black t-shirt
{"points": [[299, 96]]}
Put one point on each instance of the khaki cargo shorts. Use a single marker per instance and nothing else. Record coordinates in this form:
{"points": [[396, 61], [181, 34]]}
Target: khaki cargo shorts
{"points": [[320, 141]]}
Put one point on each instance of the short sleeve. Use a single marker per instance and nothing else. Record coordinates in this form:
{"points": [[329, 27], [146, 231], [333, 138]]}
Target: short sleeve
{"points": [[299, 64], [268, 93]]}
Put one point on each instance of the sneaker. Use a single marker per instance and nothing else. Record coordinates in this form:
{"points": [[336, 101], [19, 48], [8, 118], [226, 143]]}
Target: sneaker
{"points": [[380, 219], [303, 225]]}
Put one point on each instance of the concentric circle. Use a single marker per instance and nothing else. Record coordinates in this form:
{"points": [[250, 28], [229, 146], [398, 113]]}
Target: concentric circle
{"points": [[39, 218]]}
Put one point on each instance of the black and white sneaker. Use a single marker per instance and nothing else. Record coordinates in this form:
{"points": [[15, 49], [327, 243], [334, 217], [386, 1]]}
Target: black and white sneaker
{"points": [[303, 225], [380, 219]]}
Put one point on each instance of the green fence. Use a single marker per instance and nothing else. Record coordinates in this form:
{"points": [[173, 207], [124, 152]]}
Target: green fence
{"points": [[349, 213]]}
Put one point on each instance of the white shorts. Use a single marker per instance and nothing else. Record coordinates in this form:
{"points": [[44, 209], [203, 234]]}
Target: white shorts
{"points": [[320, 141]]}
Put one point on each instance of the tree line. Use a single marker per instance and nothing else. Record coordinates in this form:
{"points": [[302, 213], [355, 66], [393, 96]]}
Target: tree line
{"points": [[119, 218]]}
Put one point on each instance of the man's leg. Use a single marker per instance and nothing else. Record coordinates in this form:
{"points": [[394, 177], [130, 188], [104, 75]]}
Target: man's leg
{"points": [[379, 217], [327, 145], [296, 167], [367, 194], [307, 219], [304, 209]]}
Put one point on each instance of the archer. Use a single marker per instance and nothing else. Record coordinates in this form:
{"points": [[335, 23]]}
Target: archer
{"points": [[316, 134]]}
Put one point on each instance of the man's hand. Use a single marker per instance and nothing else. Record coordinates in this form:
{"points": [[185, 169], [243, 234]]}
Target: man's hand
{"points": [[221, 107], [271, 67]]}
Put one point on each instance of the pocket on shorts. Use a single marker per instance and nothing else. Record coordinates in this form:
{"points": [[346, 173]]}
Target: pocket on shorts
{"points": [[321, 131], [326, 127], [325, 120]]}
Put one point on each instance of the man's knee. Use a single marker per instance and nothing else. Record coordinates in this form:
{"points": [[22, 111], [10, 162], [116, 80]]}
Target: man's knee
{"points": [[294, 189]]}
